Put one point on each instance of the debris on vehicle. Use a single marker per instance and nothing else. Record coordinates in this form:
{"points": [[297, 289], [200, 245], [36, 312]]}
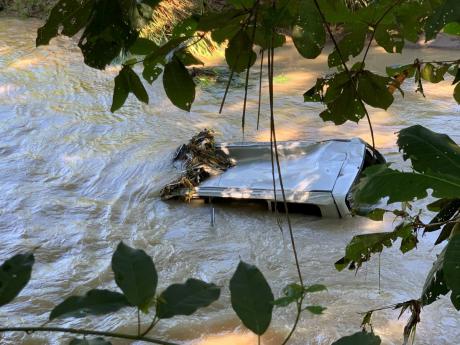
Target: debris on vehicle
{"points": [[315, 175]]}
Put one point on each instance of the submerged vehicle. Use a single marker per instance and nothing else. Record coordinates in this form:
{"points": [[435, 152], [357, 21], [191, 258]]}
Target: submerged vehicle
{"points": [[317, 178]]}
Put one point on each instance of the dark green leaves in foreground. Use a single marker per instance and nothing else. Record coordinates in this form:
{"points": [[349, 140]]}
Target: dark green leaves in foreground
{"points": [[362, 247], [239, 53], [451, 267], [14, 276], [135, 274], [308, 33], [436, 160], [252, 298], [360, 338], [185, 299], [125, 82], [178, 84], [95, 302]]}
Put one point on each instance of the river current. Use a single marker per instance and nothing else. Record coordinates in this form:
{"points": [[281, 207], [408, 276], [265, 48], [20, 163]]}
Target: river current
{"points": [[76, 179]]}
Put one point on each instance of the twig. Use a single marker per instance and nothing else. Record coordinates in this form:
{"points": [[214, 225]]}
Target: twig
{"points": [[85, 332]]}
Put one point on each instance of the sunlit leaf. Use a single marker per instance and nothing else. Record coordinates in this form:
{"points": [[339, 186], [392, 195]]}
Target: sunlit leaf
{"points": [[95, 302], [135, 274], [252, 298], [14, 276], [185, 299]]}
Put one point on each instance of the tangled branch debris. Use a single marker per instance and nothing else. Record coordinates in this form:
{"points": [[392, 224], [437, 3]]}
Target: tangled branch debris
{"points": [[200, 159]]}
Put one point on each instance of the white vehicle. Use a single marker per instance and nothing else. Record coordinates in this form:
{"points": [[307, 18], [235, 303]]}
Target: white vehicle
{"points": [[319, 175]]}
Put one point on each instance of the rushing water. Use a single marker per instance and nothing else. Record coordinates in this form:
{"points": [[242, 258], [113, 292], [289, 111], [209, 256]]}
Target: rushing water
{"points": [[76, 179]]}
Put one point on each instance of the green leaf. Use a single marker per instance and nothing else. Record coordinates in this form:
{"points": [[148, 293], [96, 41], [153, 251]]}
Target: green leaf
{"points": [[351, 44], [151, 73], [70, 15], [95, 302], [315, 288], [445, 233], [315, 309], [345, 107], [85, 341], [108, 31], [252, 298], [245, 4], [292, 293], [373, 90], [14, 276], [308, 33], [429, 151], [457, 93], [185, 299], [143, 46], [452, 29], [360, 338], [390, 38], [434, 74], [125, 82], [239, 54], [380, 181], [447, 12], [361, 247], [135, 274], [446, 213], [451, 266], [376, 214], [178, 84], [408, 70], [187, 58], [227, 31], [435, 285]]}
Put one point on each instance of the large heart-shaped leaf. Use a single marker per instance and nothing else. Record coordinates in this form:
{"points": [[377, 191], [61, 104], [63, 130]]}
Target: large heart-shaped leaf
{"points": [[14, 276], [380, 181], [135, 274], [252, 298], [179, 85], [95, 302], [429, 151], [185, 299]]}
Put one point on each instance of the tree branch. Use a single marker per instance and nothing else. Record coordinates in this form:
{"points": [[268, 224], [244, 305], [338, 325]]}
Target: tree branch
{"points": [[85, 332]]}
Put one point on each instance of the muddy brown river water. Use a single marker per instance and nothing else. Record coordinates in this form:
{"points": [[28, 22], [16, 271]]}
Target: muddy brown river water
{"points": [[76, 179]]}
